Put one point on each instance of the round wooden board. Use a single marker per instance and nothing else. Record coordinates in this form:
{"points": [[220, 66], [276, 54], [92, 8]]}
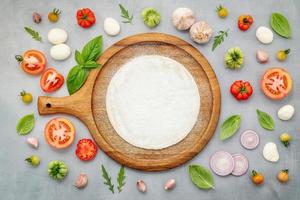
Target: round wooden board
{"points": [[88, 104]]}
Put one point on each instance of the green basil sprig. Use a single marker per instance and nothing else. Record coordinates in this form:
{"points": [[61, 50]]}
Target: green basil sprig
{"points": [[86, 60], [281, 25], [25, 124], [230, 126], [265, 120], [201, 177]]}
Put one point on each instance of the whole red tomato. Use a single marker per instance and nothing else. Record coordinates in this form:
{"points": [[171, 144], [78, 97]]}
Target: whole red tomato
{"points": [[244, 22], [85, 17], [241, 90]]}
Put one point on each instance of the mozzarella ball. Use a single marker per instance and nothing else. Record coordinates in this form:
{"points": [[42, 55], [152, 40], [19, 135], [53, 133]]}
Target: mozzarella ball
{"points": [[57, 36], [111, 26], [286, 112], [60, 52], [264, 35]]}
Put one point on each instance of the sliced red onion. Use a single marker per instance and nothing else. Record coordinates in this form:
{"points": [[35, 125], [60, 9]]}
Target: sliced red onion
{"points": [[221, 163], [241, 164], [249, 139]]}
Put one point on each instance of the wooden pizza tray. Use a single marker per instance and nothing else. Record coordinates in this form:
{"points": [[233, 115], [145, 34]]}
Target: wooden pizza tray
{"points": [[88, 104]]}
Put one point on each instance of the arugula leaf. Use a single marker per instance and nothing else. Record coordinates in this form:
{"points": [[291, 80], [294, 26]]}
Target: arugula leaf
{"points": [[35, 35], [125, 15], [76, 78], [107, 179], [121, 178], [92, 50], [219, 38]]}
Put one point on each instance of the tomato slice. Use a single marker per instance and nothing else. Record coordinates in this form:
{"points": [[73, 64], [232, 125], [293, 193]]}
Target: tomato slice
{"points": [[276, 83], [51, 80], [34, 62], [59, 133], [86, 149]]}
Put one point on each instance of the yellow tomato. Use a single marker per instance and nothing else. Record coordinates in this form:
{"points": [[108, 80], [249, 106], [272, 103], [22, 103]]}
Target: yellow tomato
{"points": [[282, 54], [222, 11], [26, 97]]}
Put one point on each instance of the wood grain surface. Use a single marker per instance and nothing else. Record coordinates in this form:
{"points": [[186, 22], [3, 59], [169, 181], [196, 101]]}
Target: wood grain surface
{"points": [[88, 104]]}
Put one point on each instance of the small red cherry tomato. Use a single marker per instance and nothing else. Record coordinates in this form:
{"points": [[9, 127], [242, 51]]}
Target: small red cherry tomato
{"points": [[85, 17], [241, 90], [245, 22]]}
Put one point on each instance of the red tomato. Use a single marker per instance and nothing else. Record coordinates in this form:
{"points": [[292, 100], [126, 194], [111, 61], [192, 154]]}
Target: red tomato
{"points": [[59, 133], [85, 17], [86, 149], [33, 62], [244, 22], [51, 80], [241, 90], [276, 83]]}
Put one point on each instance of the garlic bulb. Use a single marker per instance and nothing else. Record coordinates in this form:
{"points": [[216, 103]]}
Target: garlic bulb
{"points": [[141, 186], [183, 18], [170, 184], [201, 32], [81, 181]]}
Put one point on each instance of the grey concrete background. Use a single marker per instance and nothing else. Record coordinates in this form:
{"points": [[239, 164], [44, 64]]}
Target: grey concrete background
{"points": [[20, 181]]}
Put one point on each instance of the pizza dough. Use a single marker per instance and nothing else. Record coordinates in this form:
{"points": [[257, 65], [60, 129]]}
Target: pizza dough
{"points": [[152, 102]]}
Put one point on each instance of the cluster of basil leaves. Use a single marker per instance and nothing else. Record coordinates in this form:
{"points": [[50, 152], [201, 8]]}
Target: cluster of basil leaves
{"points": [[86, 60]]}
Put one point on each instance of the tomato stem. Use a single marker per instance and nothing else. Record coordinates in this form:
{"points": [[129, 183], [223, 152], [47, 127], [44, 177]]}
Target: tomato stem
{"points": [[19, 58]]}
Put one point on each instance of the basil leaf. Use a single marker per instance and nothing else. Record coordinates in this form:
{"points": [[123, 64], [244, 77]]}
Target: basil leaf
{"points": [[91, 65], [92, 50], [265, 120], [78, 58], [230, 126], [201, 177], [280, 25], [76, 78], [25, 124]]}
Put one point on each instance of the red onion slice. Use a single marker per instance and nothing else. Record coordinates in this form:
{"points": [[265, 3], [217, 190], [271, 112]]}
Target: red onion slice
{"points": [[241, 164], [221, 163], [249, 139]]}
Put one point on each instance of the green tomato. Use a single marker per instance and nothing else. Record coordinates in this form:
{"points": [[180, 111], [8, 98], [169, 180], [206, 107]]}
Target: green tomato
{"points": [[234, 58], [33, 160], [151, 17], [57, 170]]}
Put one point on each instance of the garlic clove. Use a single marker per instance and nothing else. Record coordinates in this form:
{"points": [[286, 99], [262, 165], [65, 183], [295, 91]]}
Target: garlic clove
{"points": [[81, 181], [262, 56], [141, 186], [33, 142], [170, 184]]}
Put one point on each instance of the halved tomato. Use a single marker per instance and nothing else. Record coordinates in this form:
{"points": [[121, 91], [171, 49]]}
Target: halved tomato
{"points": [[51, 80], [276, 83], [59, 133], [33, 62], [86, 149]]}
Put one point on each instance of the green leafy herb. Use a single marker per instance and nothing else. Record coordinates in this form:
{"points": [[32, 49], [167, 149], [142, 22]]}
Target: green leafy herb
{"points": [[25, 124], [265, 120], [86, 60], [107, 179], [121, 178], [201, 177], [219, 38], [125, 15], [35, 35], [281, 25], [230, 126]]}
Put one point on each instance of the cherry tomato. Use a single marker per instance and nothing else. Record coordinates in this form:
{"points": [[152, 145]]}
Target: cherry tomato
{"points": [[257, 178], [276, 83], [59, 133], [85, 17], [33, 61], [86, 149], [241, 90], [283, 176], [26, 97], [51, 80], [245, 22]]}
